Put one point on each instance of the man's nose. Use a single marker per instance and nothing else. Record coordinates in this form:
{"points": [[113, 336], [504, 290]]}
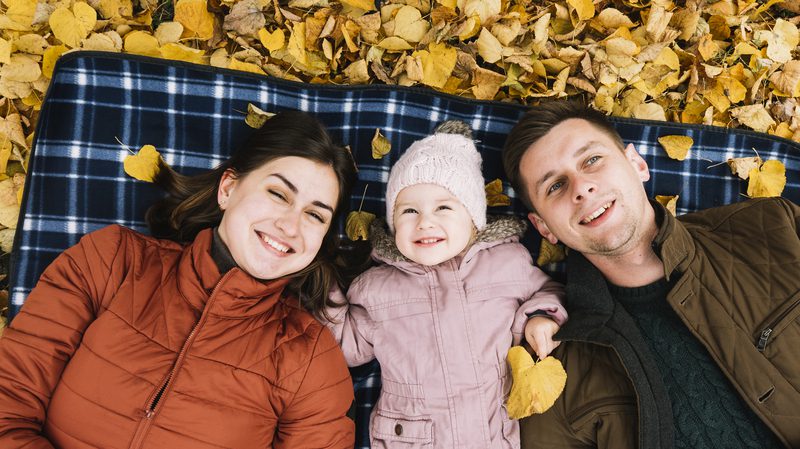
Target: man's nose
{"points": [[583, 188]]}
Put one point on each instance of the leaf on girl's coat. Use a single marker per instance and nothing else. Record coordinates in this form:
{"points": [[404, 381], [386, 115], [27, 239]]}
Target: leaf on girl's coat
{"points": [[536, 386], [144, 165], [495, 195]]}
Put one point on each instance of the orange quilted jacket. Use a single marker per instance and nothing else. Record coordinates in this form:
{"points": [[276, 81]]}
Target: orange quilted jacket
{"points": [[132, 342]]}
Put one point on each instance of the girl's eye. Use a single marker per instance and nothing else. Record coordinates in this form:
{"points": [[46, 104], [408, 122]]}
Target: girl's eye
{"points": [[409, 211], [317, 217], [277, 195], [555, 186]]}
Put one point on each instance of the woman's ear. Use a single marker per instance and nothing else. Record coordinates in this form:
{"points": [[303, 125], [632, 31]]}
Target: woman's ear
{"points": [[227, 184]]}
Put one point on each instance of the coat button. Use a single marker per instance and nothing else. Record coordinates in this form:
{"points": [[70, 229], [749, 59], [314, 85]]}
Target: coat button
{"points": [[398, 429]]}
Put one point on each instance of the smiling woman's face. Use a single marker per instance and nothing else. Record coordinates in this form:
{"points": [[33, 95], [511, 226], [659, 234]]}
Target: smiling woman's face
{"points": [[276, 217]]}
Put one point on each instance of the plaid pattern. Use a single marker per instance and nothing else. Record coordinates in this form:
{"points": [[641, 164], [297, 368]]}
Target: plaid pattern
{"points": [[194, 115]]}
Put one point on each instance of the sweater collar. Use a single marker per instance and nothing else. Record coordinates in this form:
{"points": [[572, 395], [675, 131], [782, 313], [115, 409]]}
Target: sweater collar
{"points": [[237, 293]]}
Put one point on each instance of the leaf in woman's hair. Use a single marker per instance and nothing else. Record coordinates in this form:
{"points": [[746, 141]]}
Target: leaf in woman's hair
{"points": [[143, 165], [536, 385], [256, 117], [357, 225]]}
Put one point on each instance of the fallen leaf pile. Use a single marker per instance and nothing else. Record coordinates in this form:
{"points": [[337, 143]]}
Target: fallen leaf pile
{"points": [[730, 63], [535, 385]]}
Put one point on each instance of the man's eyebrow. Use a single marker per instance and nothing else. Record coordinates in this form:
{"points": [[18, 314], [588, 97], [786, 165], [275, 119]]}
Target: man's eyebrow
{"points": [[293, 188], [575, 154]]}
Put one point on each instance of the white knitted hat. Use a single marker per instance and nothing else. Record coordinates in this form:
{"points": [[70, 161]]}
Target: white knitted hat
{"points": [[444, 159]]}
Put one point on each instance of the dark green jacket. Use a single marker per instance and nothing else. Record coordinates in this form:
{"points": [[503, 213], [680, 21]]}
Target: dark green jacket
{"points": [[738, 292]]}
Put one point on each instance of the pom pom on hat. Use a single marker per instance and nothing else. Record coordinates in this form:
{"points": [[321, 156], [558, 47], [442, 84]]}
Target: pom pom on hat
{"points": [[447, 158]]}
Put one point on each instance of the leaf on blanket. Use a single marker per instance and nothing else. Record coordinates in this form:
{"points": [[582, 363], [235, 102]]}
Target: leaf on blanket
{"points": [[357, 225], [549, 253], [669, 202], [380, 145], [536, 386], [741, 166], [768, 180], [256, 117], [143, 165], [677, 147], [495, 195]]}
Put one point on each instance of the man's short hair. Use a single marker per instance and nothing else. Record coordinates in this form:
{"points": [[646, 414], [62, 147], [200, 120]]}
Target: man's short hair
{"points": [[537, 122]]}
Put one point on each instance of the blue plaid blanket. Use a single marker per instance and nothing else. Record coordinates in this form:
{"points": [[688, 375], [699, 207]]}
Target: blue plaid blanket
{"points": [[194, 115]]}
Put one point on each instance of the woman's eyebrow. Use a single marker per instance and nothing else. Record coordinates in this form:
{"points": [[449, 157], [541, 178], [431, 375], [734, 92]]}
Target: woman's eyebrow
{"points": [[293, 188]]}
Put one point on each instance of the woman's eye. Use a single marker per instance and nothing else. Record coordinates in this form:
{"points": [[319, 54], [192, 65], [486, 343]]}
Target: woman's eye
{"points": [[555, 186], [317, 217], [277, 195]]}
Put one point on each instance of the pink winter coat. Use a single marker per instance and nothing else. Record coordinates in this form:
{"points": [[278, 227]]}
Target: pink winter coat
{"points": [[441, 334]]}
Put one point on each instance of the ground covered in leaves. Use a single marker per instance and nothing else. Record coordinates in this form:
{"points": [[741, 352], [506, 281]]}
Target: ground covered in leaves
{"points": [[730, 63]]}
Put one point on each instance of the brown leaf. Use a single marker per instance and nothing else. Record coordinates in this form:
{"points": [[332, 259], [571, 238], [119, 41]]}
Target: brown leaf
{"points": [[357, 225], [245, 18], [380, 145]]}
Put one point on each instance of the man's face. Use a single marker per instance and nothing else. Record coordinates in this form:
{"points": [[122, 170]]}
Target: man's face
{"points": [[587, 192]]}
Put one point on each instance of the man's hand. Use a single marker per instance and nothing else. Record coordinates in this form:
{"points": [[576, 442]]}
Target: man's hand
{"points": [[539, 332]]}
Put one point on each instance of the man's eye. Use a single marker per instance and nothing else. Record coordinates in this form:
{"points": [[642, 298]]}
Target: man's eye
{"points": [[409, 211], [555, 186], [592, 160]]}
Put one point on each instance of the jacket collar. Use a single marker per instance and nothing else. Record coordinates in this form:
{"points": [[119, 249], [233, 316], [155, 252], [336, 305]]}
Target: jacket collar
{"points": [[499, 229], [673, 243], [237, 293]]}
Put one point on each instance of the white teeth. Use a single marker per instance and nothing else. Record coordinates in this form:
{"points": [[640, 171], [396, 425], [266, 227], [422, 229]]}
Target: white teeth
{"points": [[596, 213], [276, 245], [426, 241]]}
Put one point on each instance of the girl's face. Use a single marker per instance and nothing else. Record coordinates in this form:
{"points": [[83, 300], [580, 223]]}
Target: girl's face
{"points": [[276, 217], [431, 225]]}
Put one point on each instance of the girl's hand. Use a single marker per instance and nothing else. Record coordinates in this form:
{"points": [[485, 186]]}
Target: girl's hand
{"points": [[539, 332]]}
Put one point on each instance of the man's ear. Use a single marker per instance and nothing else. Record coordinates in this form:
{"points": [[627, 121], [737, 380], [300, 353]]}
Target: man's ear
{"points": [[227, 184], [541, 226], [638, 162]]}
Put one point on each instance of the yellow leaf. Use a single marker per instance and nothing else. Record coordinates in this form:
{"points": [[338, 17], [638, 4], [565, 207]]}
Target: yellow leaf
{"points": [[179, 52], [195, 18], [409, 24], [144, 165], [141, 43], [768, 181], [583, 8], [486, 83], [256, 117], [669, 202], [536, 386], [21, 68], [357, 225], [168, 32], [677, 147], [33, 44], [5, 51], [11, 127], [351, 45], [5, 152], [366, 5], [437, 64], [668, 58], [490, 49], [484, 9], [235, 64], [357, 73], [20, 14], [549, 253], [754, 116], [380, 145], [495, 195], [394, 44], [707, 47], [788, 79], [734, 90], [297, 43], [108, 41], [50, 57], [784, 38], [469, 28], [741, 166], [70, 27], [272, 41]]}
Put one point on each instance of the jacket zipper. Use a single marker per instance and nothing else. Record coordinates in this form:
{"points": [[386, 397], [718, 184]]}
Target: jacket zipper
{"points": [[158, 395], [766, 333]]}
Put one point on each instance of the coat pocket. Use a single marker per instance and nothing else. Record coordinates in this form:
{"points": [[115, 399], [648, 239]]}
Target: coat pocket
{"points": [[390, 430], [778, 321], [406, 307]]}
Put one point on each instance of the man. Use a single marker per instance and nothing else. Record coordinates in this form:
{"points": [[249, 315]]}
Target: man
{"points": [[682, 332]]}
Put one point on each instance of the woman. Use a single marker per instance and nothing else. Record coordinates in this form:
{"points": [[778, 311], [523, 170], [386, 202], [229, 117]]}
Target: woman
{"points": [[132, 341]]}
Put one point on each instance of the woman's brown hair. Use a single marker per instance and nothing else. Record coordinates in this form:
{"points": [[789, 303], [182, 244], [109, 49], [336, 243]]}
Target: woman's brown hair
{"points": [[190, 204]]}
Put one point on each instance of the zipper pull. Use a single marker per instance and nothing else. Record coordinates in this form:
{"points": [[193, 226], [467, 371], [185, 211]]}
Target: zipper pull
{"points": [[762, 341], [149, 413]]}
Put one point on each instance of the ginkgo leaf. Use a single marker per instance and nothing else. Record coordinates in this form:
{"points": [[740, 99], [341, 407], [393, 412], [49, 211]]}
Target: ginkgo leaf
{"points": [[380, 145], [741, 166], [256, 117], [495, 195], [677, 147], [669, 202], [72, 26], [535, 386], [767, 181], [144, 165], [550, 253], [272, 40], [357, 225]]}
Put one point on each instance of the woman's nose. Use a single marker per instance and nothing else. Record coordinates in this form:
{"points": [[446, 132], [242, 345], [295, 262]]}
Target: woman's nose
{"points": [[289, 223]]}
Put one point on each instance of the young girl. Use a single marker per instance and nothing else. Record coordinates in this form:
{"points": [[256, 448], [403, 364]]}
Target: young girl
{"points": [[452, 294]]}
